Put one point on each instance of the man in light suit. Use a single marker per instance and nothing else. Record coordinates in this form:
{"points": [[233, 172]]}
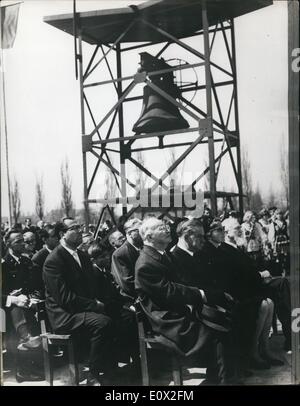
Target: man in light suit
{"points": [[71, 301]]}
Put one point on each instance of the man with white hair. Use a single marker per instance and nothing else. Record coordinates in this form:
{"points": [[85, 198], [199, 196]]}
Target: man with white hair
{"points": [[167, 302], [124, 259]]}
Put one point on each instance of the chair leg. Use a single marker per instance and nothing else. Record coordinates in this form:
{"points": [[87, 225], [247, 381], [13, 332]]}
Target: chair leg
{"points": [[177, 371], [144, 363], [47, 362], [274, 323], [73, 367]]}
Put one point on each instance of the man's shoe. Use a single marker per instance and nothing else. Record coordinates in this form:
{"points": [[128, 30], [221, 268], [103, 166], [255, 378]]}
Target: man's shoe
{"points": [[93, 380], [208, 382], [274, 362], [22, 377], [259, 364], [247, 373]]}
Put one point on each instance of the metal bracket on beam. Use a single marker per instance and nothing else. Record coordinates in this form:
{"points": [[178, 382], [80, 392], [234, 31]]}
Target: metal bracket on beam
{"points": [[87, 143], [140, 77], [204, 124]]}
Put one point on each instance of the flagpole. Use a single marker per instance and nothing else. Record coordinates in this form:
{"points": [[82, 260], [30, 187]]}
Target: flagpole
{"points": [[5, 135]]}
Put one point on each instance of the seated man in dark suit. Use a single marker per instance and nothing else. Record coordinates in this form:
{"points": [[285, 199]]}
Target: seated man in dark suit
{"points": [[189, 271], [51, 238], [167, 303], [277, 288], [124, 259], [117, 308], [71, 301], [233, 271], [19, 291]]}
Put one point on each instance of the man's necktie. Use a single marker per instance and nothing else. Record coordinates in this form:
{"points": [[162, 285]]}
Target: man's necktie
{"points": [[165, 259], [76, 257]]}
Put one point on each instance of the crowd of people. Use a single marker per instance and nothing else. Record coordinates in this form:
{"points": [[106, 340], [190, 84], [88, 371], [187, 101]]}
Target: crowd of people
{"points": [[209, 286]]}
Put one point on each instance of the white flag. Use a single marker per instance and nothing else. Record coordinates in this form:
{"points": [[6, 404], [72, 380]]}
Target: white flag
{"points": [[9, 22]]}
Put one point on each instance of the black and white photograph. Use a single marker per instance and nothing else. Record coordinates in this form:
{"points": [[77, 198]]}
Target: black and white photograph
{"points": [[149, 194]]}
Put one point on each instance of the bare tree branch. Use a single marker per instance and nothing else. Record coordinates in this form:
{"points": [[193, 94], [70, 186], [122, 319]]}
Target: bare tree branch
{"points": [[66, 200], [140, 176], [284, 170], [175, 177], [39, 199], [247, 178], [15, 201]]}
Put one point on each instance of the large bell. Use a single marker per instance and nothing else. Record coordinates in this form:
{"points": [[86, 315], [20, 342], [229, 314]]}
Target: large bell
{"points": [[158, 114]]}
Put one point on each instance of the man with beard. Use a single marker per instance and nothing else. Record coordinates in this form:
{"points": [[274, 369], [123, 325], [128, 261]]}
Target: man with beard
{"points": [[124, 259]]}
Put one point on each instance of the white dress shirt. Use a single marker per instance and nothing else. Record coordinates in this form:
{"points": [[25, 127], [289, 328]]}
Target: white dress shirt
{"points": [[74, 253]]}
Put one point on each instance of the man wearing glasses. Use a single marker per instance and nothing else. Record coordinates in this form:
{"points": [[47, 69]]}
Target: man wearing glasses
{"points": [[71, 301]]}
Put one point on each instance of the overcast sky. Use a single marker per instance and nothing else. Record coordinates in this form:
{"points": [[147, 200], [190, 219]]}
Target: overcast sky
{"points": [[43, 110]]}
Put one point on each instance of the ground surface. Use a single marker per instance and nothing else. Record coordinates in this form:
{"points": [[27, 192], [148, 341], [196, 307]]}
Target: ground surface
{"points": [[161, 374]]}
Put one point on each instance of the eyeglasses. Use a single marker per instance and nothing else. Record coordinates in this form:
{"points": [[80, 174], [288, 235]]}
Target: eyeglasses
{"points": [[135, 230], [18, 242], [76, 227], [164, 227], [219, 230]]}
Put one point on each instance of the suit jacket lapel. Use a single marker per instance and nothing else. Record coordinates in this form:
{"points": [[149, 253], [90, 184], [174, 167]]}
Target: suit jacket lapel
{"points": [[71, 260], [134, 254]]}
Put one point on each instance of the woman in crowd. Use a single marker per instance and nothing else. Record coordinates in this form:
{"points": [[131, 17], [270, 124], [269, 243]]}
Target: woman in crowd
{"points": [[252, 236], [279, 241], [264, 221]]}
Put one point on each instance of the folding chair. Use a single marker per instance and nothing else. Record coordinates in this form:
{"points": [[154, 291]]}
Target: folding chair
{"points": [[149, 340], [48, 340]]}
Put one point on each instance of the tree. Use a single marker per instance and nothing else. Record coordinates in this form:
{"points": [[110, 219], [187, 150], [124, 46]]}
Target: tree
{"points": [[39, 199], [66, 200], [109, 185], [140, 176], [284, 171], [176, 178], [257, 201], [15, 201], [271, 198], [247, 179], [110, 192]]}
